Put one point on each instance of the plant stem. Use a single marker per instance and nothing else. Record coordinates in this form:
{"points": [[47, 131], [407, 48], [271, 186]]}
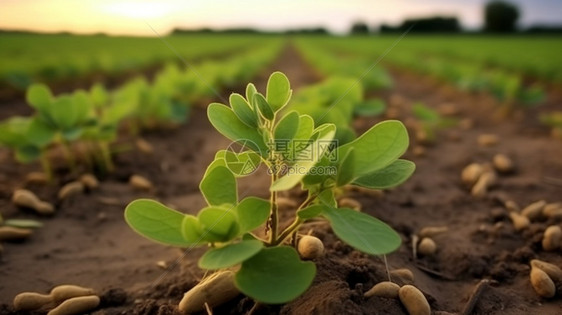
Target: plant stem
{"points": [[46, 165], [295, 225], [274, 216], [108, 163]]}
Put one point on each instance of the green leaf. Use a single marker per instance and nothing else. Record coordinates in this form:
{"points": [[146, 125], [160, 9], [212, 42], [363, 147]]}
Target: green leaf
{"points": [[229, 255], [22, 223], [378, 147], [345, 169], [306, 126], [226, 122], [391, 176], [218, 224], [191, 230], [250, 91], [27, 153], [252, 213], [425, 113], [219, 187], [39, 133], [362, 231], [63, 112], [275, 275], [311, 211], [82, 106], [263, 106], [327, 198], [287, 127], [243, 110], [99, 95], [301, 168], [370, 108], [156, 222], [278, 91], [39, 96]]}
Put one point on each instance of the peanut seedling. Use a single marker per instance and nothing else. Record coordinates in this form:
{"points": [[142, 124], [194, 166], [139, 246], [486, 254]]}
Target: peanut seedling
{"points": [[296, 152]]}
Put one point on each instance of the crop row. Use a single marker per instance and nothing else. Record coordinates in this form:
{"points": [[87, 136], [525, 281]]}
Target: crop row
{"points": [[28, 58], [83, 124]]}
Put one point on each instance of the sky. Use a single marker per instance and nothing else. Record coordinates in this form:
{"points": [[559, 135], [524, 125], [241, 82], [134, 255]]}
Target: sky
{"points": [[145, 18]]}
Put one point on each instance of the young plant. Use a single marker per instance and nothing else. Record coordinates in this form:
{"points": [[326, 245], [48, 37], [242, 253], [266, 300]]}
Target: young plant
{"points": [[430, 122], [296, 152]]}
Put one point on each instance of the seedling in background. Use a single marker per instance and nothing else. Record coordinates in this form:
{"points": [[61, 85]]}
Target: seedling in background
{"points": [[270, 270], [430, 122]]}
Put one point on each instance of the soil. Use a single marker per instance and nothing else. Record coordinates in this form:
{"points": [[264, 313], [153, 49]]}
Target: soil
{"points": [[88, 243]]}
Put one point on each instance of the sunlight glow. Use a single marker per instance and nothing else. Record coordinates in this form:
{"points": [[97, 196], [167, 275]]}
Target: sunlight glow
{"points": [[138, 10]]}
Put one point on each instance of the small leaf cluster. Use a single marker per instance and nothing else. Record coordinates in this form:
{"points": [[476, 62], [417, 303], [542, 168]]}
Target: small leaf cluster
{"points": [[430, 121], [270, 270], [336, 100]]}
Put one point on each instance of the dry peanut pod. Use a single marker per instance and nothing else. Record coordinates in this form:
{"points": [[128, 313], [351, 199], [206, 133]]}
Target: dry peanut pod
{"points": [[385, 289], [77, 305], [471, 173], [488, 140], [9, 233], [427, 246], [553, 210], [486, 180], [414, 301], [542, 283], [71, 189], [29, 301], [534, 210], [503, 164], [144, 146], [310, 247], [511, 206], [27, 199], [430, 231], [418, 150], [36, 178], [553, 271], [519, 222], [140, 183], [403, 274], [89, 181], [67, 291], [349, 203], [552, 238], [421, 135], [214, 290]]}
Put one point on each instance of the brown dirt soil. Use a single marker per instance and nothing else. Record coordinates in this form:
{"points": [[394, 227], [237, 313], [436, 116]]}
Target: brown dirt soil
{"points": [[88, 243]]}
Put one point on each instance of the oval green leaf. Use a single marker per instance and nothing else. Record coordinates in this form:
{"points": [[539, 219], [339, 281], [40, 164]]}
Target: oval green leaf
{"points": [[362, 231], [275, 275], [228, 124], [219, 186], [39, 96], [252, 212], [243, 110], [218, 224], [378, 147], [263, 106], [278, 90], [156, 222], [391, 176]]}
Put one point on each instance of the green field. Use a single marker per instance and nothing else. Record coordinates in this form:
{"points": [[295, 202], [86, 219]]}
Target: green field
{"points": [[27, 58]]}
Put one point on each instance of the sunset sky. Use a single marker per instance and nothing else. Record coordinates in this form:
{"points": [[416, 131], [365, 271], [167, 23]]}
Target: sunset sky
{"points": [[132, 17]]}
